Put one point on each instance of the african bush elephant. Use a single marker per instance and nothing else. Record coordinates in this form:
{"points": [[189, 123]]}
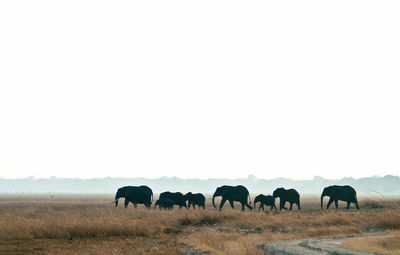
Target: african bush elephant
{"points": [[195, 199], [232, 193], [135, 195], [343, 193], [264, 200], [177, 197], [287, 195], [165, 203]]}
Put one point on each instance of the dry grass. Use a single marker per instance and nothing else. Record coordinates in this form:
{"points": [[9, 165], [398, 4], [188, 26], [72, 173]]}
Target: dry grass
{"points": [[384, 245], [91, 225]]}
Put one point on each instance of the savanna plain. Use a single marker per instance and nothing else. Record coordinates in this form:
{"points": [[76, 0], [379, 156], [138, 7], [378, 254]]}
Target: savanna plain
{"points": [[90, 224]]}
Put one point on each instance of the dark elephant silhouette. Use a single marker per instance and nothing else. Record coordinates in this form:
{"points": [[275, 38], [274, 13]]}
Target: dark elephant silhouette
{"points": [[165, 204], [232, 193], [343, 193], [195, 199], [264, 200], [177, 197], [287, 195], [135, 194]]}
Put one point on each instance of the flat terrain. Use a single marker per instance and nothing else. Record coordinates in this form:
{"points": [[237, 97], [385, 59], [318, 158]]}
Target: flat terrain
{"points": [[89, 224]]}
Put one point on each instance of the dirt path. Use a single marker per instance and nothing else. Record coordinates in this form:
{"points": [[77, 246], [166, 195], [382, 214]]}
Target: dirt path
{"points": [[329, 246]]}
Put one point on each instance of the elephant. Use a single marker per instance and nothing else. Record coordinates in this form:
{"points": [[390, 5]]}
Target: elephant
{"points": [[232, 193], [264, 200], [195, 199], [342, 193], [287, 195], [177, 197], [135, 195], [165, 203]]}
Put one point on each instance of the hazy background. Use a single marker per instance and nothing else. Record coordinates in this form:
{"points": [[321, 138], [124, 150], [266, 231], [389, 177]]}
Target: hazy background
{"points": [[380, 187], [199, 89]]}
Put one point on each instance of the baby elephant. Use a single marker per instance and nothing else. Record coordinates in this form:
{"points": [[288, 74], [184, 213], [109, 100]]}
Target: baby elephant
{"points": [[166, 203], [265, 200]]}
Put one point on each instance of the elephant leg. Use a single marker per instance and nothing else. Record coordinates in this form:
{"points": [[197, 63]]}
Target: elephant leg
{"points": [[222, 203], [242, 206], [356, 203], [298, 205], [336, 204], [262, 206], [348, 205], [249, 206], [282, 205], [291, 205], [329, 203], [126, 203], [231, 203]]}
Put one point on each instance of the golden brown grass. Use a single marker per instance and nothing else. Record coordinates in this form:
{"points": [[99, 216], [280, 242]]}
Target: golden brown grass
{"points": [[91, 225], [384, 245]]}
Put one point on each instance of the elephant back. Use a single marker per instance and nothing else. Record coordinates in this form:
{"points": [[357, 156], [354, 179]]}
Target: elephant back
{"points": [[140, 194]]}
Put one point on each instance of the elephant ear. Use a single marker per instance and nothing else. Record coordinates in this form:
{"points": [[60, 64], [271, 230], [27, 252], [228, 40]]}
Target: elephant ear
{"points": [[127, 192], [226, 190]]}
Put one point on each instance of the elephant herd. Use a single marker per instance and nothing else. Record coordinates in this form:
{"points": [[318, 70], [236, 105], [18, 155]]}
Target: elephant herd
{"points": [[167, 200]]}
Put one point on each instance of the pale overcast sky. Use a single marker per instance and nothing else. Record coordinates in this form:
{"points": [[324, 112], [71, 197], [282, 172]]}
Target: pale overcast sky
{"points": [[199, 88]]}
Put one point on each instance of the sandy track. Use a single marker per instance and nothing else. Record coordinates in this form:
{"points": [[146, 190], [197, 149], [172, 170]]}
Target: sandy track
{"points": [[329, 246]]}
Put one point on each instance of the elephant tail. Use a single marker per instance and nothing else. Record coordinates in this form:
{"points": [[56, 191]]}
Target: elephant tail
{"points": [[249, 199]]}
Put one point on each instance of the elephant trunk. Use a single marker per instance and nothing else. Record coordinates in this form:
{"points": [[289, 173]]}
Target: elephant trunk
{"points": [[322, 201], [117, 196], [213, 198]]}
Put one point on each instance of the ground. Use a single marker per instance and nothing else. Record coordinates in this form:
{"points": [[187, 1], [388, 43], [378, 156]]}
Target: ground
{"points": [[90, 224]]}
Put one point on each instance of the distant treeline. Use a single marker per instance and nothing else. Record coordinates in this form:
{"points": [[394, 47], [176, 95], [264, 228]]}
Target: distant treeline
{"points": [[387, 185]]}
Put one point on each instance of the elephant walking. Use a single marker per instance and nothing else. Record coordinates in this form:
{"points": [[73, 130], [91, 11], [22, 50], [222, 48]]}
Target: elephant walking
{"points": [[343, 193], [164, 203], [135, 195], [287, 195], [177, 197], [232, 193], [264, 200], [195, 199]]}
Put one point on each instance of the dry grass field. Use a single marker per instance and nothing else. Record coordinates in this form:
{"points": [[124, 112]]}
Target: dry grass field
{"points": [[62, 224]]}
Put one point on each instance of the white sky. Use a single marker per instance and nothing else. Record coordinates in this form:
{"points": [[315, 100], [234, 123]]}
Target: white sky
{"points": [[199, 88]]}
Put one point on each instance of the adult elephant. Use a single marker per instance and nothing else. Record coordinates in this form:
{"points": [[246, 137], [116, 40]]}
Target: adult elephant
{"points": [[195, 199], [343, 193], [232, 193], [135, 194], [177, 197], [287, 195]]}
